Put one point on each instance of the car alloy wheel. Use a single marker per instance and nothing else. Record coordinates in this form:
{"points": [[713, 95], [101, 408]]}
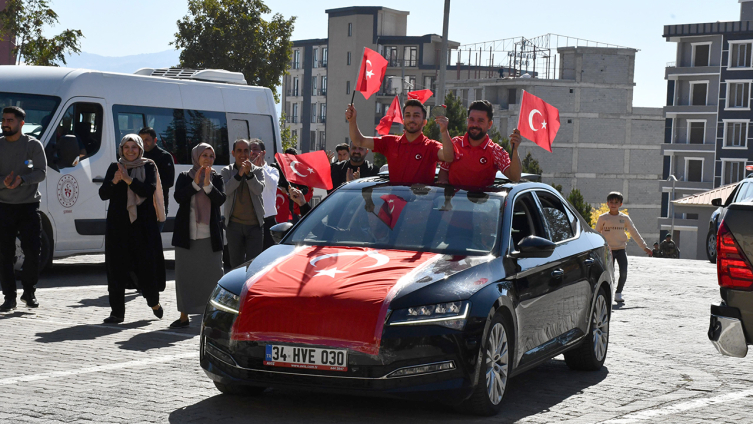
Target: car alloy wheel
{"points": [[600, 328], [496, 358], [711, 246], [590, 354]]}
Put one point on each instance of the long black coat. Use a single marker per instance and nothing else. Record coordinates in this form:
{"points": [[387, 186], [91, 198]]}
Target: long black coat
{"points": [[133, 247], [184, 191]]}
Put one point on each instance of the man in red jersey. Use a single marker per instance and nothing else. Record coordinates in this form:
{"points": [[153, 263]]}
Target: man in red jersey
{"points": [[412, 157], [477, 157]]}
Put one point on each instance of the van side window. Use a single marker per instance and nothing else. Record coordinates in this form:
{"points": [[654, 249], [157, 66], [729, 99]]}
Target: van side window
{"points": [[77, 136], [178, 130]]}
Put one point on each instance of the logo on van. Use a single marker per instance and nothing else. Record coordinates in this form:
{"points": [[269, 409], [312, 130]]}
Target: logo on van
{"points": [[67, 191]]}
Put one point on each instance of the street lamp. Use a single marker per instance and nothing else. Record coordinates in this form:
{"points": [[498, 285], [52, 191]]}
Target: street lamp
{"points": [[672, 227]]}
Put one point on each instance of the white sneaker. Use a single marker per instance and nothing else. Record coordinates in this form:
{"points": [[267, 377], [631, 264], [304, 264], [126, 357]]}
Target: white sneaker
{"points": [[618, 298]]}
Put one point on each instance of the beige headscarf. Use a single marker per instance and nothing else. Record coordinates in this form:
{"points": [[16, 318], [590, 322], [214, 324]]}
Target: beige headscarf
{"points": [[203, 204], [137, 172]]}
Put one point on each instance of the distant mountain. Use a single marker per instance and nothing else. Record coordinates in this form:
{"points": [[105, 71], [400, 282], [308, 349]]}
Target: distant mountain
{"points": [[123, 64]]}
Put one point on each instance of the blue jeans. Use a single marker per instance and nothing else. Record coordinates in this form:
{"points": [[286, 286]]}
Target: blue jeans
{"points": [[621, 257]]}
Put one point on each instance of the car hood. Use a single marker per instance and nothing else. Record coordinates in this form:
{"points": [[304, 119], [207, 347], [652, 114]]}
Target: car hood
{"points": [[333, 296]]}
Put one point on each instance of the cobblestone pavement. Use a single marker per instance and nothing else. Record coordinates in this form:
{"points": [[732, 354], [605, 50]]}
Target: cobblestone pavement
{"points": [[60, 364]]}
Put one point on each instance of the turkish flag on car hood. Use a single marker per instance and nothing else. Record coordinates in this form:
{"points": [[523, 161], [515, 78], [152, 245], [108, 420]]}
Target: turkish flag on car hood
{"points": [[538, 121], [309, 169], [371, 75], [331, 296]]}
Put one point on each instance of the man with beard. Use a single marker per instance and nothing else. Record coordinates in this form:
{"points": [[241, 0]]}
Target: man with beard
{"points": [[23, 166], [164, 162], [477, 157], [353, 169], [412, 157]]}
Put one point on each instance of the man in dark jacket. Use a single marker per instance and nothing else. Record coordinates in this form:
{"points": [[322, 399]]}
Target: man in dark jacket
{"points": [[354, 168], [164, 161]]}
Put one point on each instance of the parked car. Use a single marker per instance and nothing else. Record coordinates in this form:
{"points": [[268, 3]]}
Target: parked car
{"points": [[731, 327], [743, 192], [414, 292]]}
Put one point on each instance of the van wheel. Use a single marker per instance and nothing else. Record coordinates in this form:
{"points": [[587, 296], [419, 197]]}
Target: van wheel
{"points": [[45, 255]]}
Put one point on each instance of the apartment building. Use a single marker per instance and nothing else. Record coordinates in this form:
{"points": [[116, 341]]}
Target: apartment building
{"points": [[707, 118], [604, 143], [323, 72]]}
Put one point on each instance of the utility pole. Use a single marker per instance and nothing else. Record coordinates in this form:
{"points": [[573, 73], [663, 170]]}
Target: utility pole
{"points": [[439, 95]]}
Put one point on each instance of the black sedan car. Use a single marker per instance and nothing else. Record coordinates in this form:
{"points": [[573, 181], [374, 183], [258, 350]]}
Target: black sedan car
{"points": [[414, 291]]}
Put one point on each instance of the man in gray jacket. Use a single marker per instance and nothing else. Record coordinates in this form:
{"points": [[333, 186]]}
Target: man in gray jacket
{"points": [[244, 208], [23, 166]]}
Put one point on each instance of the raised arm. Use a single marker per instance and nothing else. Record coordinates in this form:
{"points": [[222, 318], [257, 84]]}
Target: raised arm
{"points": [[447, 152], [355, 134], [514, 171]]}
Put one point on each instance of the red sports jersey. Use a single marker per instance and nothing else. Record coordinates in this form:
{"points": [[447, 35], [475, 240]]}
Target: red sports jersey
{"points": [[409, 162], [476, 166]]}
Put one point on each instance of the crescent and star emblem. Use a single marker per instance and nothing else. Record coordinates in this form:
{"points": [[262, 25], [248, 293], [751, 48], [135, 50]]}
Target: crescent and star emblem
{"points": [[294, 163], [530, 119], [280, 197], [369, 73], [418, 157], [392, 206], [482, 160], [332, 272]]}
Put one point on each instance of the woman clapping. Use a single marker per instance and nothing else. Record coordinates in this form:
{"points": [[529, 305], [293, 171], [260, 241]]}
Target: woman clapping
{"points": [[133, 246], [198, 234]]}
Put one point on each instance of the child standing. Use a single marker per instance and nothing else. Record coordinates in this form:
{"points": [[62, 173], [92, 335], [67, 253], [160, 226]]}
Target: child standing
{"points": [[612, 226]]}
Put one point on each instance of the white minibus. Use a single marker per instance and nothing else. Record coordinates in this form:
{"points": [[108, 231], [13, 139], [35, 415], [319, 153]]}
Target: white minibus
{"points": [[80, 116]]}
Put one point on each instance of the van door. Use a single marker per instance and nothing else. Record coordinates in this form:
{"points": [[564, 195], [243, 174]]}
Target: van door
{"points": [[78, 160], [247, 125]]}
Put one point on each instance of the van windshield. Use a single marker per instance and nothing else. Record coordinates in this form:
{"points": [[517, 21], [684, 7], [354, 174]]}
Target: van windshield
{"points": [[39, 110]]}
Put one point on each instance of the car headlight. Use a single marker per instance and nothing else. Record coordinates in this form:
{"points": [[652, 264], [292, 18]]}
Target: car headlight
{"points": [[451, 315], [224, 300]]}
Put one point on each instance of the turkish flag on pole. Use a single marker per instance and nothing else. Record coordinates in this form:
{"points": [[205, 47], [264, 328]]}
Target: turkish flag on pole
{"points": [[394, 114], [371, 75], [420, 95], [538, 121], [309, 169], [283, 207]]}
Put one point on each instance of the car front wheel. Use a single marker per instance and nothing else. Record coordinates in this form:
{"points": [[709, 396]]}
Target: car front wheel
{"points": [[496, 365], [592, 352], [711, 246]]}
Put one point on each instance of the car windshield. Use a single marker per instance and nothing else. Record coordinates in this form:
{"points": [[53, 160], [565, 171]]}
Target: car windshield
{"points": [[39, 110], [418, 218]]}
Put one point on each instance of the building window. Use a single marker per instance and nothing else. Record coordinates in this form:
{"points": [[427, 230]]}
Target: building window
{"points": [[312, 142], [294, 117], [313, 86], [294, 134], [322, 141], [410, 83], [736, 134], [347, 87], [324, 57], [738, 94], [698, 92], [348, 62], [701, 54], [295, 87], [324, 85], [694, 169], [732, 171], [739, 56], [378, 109], [313, 113], [315, 63], [350, 29], [410, 55], [429, 83], [696, 132], [296, 59], [323, 113], [390, 53], [512, 96]]}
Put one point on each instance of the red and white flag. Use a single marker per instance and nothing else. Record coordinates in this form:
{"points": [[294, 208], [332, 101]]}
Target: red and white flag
{"points": [[420, 95], [394, 114], [538, 121], [309, 169], [391, 209], [283, 206], [371, 74]]}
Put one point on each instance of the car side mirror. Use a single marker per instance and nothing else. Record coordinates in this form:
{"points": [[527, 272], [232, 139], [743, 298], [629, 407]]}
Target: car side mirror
{"points": [[278, 231], [535, 247], [717, 201]]}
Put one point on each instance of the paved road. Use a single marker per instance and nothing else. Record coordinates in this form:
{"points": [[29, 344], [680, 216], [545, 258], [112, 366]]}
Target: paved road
{"points": [[59, 364]]}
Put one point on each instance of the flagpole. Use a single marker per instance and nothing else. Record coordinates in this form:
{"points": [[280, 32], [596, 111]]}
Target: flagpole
{"points": [[358, 74], [522, 94]]}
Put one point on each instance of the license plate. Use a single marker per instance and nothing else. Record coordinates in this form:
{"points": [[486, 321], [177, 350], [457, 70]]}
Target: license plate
{"points": [[309, 358]]}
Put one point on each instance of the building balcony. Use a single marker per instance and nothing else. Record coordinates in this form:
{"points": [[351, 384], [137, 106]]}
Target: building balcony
{"points": [[295, 65], [693, 186], [292, 119], [291, 92], [673, 148], [690, 109], [397, 63], [689, 70], [323, 119]]}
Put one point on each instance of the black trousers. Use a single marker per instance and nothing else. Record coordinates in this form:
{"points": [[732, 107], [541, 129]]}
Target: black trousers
{"points": [[20, 221], [268, 223], [621, 257]]}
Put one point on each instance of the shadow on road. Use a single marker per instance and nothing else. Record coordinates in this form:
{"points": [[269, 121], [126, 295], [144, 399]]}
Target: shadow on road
{"points": [[530, 393], [15, 314], [87, 332], [154, 340], [83, 273]]}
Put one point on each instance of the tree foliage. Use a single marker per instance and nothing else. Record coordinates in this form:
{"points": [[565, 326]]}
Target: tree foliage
{"points": [[233, 35], [531, 165], [287, 138], [584, 208], [456, 114], [25, 20]]}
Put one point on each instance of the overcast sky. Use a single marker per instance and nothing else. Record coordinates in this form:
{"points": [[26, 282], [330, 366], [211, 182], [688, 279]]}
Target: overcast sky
{"points": [[120, 28]]}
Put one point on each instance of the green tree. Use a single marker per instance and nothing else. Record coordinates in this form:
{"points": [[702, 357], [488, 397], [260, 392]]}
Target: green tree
{"points": [[456, 114], [24, 21], [531, 165], [557, 187], [286, 135], [584, 208], [233, 35]]}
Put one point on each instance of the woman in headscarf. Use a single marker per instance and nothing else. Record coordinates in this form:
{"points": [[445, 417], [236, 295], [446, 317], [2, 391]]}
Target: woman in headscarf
{"points": [[133, 246], [197, 236]]}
